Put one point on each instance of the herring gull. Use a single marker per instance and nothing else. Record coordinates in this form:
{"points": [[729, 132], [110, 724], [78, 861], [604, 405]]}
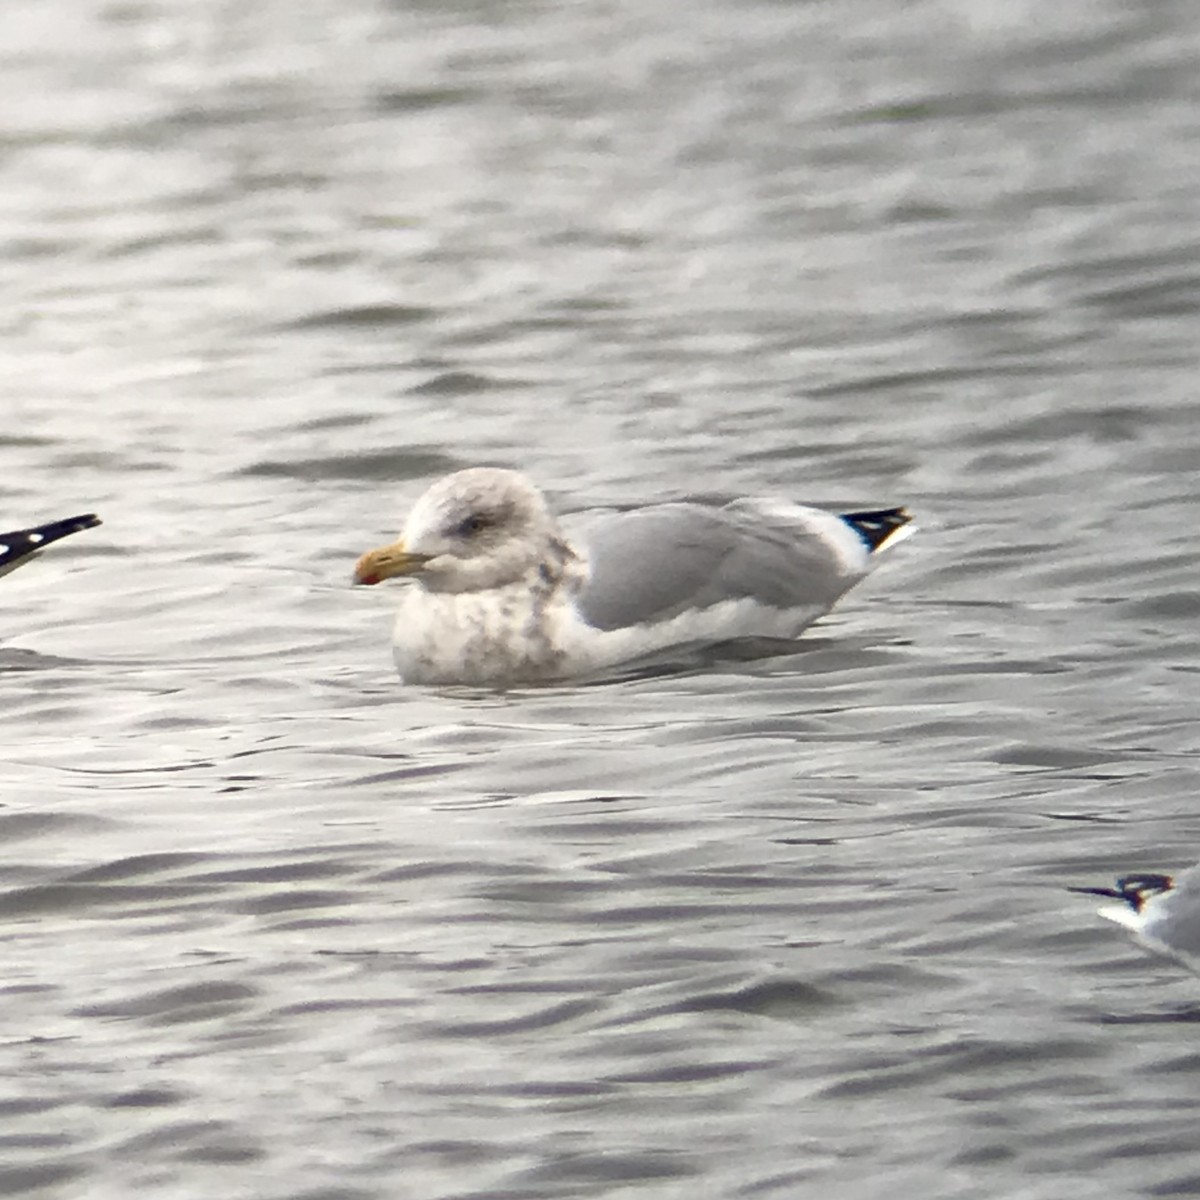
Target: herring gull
{"points": [[1161, 911], [504, 593], [21, 545]]}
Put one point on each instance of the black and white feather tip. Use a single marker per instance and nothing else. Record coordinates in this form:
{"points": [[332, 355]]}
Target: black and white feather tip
{"points": [[21, 545], [1161, 911]]}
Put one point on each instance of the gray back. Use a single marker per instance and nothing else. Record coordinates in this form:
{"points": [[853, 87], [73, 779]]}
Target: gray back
{"points": [[651, 564]]}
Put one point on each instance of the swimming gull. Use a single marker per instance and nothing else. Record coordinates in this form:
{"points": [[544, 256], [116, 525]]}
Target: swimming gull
{"points": [[505, 594], [21, 545], [1162, 912]]}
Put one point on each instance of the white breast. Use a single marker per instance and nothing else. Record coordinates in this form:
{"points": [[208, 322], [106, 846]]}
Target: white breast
{"points": [[487, 637]]}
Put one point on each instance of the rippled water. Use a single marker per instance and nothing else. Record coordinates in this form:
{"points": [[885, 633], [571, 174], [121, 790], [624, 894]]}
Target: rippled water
{"points": [[275, 926]]}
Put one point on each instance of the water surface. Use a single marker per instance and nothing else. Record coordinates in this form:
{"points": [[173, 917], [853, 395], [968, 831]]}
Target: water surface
{"points": [[274, 925]]}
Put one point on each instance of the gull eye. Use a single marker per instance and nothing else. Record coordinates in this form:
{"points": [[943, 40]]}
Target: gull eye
{"points": [[471, 525]]}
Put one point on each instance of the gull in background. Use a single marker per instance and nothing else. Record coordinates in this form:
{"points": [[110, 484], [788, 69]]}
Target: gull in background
{"points": [[1161, 911]]}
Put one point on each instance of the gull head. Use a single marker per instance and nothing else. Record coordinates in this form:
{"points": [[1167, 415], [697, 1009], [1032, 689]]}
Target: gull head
{"points": [[471, 531]]}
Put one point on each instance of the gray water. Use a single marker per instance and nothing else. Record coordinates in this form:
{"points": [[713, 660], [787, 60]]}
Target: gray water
{"points": [[275, 926]]}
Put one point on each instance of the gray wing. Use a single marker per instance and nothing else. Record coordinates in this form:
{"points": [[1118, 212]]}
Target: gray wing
{"points": [[652, 563]]}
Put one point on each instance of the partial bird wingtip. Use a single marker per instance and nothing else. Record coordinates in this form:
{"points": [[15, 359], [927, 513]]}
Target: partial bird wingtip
{"points": [[883, 527]]}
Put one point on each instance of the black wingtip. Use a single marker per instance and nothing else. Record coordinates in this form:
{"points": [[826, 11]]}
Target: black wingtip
{"points": [[75, 524], [1111, 893], [1135, 890], [21, 544], [876, 528], [43, 535]]}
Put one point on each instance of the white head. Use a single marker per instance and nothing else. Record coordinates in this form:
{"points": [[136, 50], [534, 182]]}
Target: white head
{"points": [[476, 529]]}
